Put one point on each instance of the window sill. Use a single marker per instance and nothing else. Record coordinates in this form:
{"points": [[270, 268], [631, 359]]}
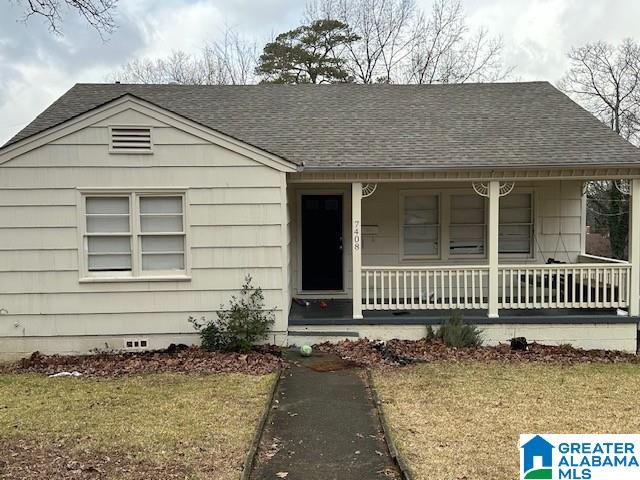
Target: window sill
{"points": [[158, 278]]}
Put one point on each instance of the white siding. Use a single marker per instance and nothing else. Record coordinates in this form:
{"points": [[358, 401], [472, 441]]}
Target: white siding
{"points": [[235, 227], [557, 224]]}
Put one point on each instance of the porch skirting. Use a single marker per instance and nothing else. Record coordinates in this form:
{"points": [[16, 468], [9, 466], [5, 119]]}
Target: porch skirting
{"points": [[609, 336]]}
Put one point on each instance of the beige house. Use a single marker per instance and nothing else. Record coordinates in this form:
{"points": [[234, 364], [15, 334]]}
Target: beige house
{"points": [[124, 209]]}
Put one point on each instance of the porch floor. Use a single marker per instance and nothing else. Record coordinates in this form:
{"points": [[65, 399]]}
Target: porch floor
{"points": [[340, 312]]}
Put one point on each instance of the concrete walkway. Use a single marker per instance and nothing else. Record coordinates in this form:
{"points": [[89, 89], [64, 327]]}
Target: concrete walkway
{"points": [[324, 426]]}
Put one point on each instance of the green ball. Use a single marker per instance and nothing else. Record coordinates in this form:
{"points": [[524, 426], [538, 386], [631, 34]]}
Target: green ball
{"points": [[306, 350]]}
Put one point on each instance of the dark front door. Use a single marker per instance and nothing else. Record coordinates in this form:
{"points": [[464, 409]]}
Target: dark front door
{"points": [[321, 242]]}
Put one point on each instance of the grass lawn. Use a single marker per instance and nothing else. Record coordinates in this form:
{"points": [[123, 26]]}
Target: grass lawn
{"points": [[147, 426], [463, 421]]}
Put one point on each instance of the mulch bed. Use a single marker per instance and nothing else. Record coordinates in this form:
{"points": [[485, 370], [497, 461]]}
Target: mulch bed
{"points": [[399, 352], [261, 361]]}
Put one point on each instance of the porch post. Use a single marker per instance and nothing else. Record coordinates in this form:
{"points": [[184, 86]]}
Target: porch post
{"points": [[634, 249], [492, 250], [356, 248]]}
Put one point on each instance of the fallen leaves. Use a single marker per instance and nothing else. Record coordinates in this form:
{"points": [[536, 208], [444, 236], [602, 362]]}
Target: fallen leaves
{"points": [[398, 352], [191, 360]]}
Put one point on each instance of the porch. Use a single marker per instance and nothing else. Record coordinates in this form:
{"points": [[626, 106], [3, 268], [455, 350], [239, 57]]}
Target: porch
{"points": [[517, 254]]}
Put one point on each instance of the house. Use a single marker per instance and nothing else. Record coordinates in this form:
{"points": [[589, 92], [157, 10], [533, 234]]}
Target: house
{"points": [[124, 209]]}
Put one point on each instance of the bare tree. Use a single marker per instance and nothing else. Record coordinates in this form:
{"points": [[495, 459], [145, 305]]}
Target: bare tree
{"points": [[605, 79], [447, 51], [97, 13], [229, 60], [399, 43], [386, 29]]}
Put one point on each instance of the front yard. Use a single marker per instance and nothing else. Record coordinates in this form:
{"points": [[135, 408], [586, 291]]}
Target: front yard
{"points": [[167, 425], [454, 421]]}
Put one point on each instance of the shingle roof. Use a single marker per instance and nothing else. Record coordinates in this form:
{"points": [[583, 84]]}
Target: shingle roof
{"points": [[501, 125]]}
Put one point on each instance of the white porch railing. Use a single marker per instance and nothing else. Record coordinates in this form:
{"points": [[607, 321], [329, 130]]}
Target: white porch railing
{"points": [[425, 288], [584, 285]]}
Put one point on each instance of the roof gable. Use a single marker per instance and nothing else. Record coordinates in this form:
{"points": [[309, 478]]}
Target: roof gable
{"points": [[130, 110]]}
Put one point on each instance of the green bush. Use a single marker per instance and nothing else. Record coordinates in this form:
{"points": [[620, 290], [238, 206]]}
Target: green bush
{"points": [[455, 333], [239, 326]]}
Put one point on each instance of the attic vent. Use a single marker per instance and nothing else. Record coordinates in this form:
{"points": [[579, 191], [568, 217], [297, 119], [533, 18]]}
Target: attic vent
{"points": [[131, 139]]}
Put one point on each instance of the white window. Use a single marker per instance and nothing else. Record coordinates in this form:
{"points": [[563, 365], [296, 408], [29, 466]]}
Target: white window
{"points": [[108, 234], [162, 233], [421, 225], [467, 225], [515, 232], [134, 234]]}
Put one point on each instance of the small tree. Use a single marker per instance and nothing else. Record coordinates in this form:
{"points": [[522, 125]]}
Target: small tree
{"points": [[307, 54], [239, 326]]}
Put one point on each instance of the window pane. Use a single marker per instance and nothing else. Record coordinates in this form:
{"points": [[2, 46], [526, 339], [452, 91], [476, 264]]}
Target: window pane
{"points": [[422, 210], [421, 240], [516, 220], [104, 205], [108, 224], [162, 244], [162, 223], [160, 204], [467, 239], [515, 239], [519, 200], [98, 263], [162, 262], [109, 245], [467, 229]]}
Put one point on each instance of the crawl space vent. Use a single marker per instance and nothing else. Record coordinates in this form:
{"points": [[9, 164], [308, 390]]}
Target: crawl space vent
{"points": [[136, 343], [131, 139]]}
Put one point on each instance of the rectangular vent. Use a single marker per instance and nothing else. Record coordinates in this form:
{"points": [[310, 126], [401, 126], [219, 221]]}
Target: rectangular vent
{"points": [[131, 139], [136, 343]]}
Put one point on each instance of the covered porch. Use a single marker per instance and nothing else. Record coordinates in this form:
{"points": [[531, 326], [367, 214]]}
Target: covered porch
{"points": [[510, 247]]}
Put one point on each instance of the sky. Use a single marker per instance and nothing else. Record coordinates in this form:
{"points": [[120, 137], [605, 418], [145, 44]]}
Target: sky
{"points": [[37, 66]]}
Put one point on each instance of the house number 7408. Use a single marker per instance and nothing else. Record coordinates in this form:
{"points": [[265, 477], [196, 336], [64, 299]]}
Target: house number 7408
{"points": [[356, 235]]}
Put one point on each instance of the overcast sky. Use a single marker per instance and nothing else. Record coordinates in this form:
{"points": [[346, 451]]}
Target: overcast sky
{"points": [[37, 66]]}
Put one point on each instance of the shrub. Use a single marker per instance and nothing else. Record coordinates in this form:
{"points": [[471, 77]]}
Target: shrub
{"points": [[455, 333], [239, 326]]}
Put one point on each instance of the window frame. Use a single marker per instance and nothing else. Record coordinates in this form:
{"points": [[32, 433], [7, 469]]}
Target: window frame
{"points": [[444, 196], [532, 227], [485, 214], [401, 226], [135, 234]]}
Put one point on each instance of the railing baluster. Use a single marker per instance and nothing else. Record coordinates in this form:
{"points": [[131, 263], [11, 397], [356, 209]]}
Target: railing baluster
{"points": [[526, 288]]}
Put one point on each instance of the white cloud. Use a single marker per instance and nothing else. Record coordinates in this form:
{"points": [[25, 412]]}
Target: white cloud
{"points": [[36, 67]]}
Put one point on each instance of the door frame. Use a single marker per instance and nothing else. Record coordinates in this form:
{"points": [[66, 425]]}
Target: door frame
{"points": [[342, 192]]}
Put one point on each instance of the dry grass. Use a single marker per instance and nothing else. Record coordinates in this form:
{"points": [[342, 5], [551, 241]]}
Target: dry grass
{"points": [[463, 421], [176, 426]]}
